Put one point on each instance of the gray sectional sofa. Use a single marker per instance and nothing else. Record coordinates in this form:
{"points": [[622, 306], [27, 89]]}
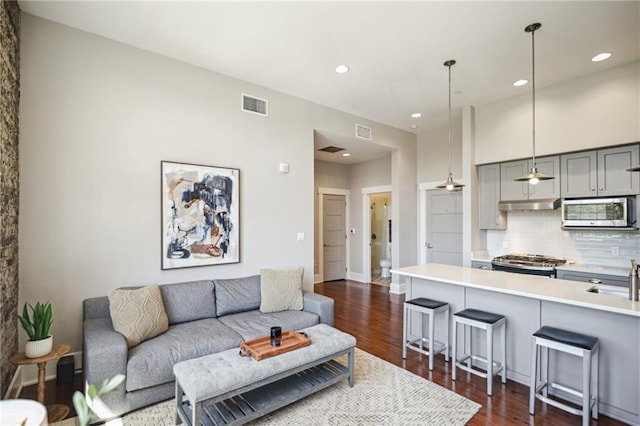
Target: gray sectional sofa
{"points": [[205, 317]]}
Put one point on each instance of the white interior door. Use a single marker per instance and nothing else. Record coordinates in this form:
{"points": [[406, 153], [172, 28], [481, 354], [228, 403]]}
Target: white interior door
{"points": [[444, 227], [334, 237]]}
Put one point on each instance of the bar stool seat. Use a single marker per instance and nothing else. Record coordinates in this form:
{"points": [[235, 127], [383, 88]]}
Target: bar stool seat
{"points": [[430, 308], [489, 322], [581, 345]]}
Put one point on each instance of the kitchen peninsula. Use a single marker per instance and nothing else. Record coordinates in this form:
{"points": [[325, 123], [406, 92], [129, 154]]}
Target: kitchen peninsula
{"points": [[529, 302]]}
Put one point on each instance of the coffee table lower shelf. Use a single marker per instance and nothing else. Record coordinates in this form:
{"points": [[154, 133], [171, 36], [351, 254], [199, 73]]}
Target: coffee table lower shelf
{"points": [[255, 403]]}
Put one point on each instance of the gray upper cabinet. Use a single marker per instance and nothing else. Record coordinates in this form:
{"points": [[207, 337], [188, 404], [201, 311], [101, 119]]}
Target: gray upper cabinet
{"points": [[511, 190], [488, 198], [600, 173]]}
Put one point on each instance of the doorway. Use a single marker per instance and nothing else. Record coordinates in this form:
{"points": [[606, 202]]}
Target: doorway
{"points": [[334, 237], [444, 227], [380, 238]]}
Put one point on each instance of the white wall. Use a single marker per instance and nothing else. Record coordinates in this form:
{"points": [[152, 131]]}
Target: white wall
{"points": [[597, 110], [96, 119], [433, 152]]}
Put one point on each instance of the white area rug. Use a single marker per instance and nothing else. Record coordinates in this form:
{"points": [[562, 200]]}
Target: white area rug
{"points": [[383, 394]]}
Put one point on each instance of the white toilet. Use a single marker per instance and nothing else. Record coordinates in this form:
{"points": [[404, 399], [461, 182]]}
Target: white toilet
{"points": [[385, 265]]}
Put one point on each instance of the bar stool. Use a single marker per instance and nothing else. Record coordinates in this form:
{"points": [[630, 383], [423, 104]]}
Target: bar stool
{"points": [[485, 321], [430, 308], [569, 342]]}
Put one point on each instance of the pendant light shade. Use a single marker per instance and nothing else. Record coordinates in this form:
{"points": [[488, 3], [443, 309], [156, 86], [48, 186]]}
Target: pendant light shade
{"points": [[450, 184], [634, 169], [534, 176]]}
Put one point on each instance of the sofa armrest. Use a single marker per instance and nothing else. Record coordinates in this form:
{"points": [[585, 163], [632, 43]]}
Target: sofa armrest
{"points": [[104, 354], [319, 305]]}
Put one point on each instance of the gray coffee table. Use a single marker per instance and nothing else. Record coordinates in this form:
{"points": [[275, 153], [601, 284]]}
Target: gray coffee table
{"points": [[228, 389]]}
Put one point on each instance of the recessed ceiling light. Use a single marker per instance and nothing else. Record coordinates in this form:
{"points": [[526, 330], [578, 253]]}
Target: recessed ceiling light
{"points": [[519, 83], [601, 56], [346, 154], [416, 115], [341, 69]]}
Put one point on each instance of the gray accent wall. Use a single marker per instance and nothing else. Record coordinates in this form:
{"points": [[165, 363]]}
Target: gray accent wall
{"points": [[96, 119], [9, 181]]}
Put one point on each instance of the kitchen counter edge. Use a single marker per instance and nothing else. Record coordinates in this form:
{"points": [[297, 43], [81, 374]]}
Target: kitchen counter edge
{"points": [[542, 288]]}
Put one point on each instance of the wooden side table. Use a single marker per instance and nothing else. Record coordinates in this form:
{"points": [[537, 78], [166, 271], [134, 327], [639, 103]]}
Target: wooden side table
{"points": [[55, 412]]}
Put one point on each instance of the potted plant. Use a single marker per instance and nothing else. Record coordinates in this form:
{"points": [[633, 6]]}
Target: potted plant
{"points": [[89, 407], [37, 327]]}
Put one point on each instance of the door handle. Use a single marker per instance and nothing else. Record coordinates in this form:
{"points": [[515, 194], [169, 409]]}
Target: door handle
{"points": [[429, 245]]}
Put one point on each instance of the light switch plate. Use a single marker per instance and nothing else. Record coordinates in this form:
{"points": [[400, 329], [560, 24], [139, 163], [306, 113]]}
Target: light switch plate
{"points": [[300, 236], [284, 167]]}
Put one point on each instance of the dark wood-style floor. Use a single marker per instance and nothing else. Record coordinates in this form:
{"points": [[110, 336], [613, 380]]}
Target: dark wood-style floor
{"points": [[374, 316]]}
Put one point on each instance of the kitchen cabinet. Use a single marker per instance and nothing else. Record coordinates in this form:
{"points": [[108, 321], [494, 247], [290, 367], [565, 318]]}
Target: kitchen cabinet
{"points": [[512, 190], [587, 277], [488, 197], [481, 265], [600, 173]]}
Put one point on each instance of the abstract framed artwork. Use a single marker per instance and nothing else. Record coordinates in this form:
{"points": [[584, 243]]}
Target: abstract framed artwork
{"points": [[200, 215]]}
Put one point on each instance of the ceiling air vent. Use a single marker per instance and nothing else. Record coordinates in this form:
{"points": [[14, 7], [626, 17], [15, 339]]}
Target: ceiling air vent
{"points": [[331, 149], [363, 132], [255, 105]]}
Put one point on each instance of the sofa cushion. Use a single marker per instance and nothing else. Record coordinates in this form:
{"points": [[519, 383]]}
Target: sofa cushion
{"points": [[237, 295], [254, 324], [138, 314], [189, 301], [151, 362], [281, 289]]}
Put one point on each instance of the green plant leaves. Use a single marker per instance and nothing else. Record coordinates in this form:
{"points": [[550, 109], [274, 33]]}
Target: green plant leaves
{"points": [[38, 325]]}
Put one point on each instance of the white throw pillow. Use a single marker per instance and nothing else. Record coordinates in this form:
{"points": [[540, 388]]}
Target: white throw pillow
{"points": [[281, 290], [138, 314]]}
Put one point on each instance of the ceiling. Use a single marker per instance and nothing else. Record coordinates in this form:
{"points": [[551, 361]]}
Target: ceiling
{"points": [[395, 50]]}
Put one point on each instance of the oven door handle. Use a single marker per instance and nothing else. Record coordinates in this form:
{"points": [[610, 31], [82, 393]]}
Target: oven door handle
{"points": [[594, 281]]}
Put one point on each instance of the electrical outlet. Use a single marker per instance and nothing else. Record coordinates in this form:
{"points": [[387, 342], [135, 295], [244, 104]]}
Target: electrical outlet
{"points": [[505, 244], [615, 251]]}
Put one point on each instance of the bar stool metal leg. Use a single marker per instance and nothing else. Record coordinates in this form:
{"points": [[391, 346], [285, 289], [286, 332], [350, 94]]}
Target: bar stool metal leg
{"points": [[489, 360]]}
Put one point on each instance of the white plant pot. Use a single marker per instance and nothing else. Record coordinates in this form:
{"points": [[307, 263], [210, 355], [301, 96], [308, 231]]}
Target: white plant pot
{"points": [[38, 348]]}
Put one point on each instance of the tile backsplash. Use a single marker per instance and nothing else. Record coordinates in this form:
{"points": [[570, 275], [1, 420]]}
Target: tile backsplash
{"points": [[540, 233]]}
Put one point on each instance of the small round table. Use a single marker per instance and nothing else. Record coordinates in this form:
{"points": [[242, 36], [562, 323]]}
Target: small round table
{"points": [[55, 412]]}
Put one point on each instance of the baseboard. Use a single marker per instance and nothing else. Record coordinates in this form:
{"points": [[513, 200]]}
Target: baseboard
{"points": [[317, 278], [29, 373], [353, 276], [397, 288]]}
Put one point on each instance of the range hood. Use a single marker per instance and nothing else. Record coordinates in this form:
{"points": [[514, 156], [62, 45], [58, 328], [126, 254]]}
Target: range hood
{"points": [[519, 205]]}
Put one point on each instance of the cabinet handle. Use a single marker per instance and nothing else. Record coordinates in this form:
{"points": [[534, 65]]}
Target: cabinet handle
{"points": [[593, 189], [600, 189], [595, 281], [485, 267]]}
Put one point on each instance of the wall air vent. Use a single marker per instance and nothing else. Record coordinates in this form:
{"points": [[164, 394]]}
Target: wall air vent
{"points": [[363, 132], [255, 105], [331, 149]]}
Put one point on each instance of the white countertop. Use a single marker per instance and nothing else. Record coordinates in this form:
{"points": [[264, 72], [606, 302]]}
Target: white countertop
{"points": [[542, 288]]}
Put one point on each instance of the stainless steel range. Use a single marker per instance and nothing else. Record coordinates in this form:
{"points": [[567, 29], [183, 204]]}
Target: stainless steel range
{"points": [[532, 264]]}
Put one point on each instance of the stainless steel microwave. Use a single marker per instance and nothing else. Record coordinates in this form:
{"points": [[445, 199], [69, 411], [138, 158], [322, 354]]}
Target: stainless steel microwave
{"points": [[599, 213]]}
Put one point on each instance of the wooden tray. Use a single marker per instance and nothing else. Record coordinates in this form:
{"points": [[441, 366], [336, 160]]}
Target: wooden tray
{"points": [[261, 348]]}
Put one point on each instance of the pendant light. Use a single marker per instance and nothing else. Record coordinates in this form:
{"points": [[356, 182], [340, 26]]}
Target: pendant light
{"points": [[634, 169], [533, 177], [450, 184]]}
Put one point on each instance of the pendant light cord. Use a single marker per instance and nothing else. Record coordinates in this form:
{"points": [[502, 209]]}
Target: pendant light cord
{"points": [[533, 96], [450, 175]]}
